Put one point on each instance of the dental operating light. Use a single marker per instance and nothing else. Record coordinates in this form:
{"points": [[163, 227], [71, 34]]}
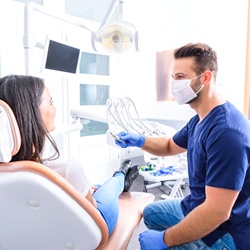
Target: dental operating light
{"points": [[117, 36]]}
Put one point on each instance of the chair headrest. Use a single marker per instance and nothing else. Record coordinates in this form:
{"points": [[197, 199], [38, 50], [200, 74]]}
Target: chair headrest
{"points": [[10, 139]]}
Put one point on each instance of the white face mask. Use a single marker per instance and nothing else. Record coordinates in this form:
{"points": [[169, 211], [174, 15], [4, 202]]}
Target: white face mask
{"points": [[182, 91]]}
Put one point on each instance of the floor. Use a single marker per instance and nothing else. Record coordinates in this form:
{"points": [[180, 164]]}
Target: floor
{"points": [[157, 191]]}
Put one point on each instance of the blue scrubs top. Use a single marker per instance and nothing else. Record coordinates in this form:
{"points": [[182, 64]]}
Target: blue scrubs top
{"points": [[218, 150]]}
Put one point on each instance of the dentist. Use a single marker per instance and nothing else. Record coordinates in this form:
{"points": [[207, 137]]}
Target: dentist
{"points": [[216, 213]]}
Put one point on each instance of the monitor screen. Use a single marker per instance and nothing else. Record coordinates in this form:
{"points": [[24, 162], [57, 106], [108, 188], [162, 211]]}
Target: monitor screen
{"points": [[61, 57]]}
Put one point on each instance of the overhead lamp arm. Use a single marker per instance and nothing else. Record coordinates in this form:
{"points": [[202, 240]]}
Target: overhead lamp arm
{"points": [[109, 13], [120, 10]]}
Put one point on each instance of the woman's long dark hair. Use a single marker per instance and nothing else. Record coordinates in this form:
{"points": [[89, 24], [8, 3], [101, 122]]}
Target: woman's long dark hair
{"points": [[23, 94]]}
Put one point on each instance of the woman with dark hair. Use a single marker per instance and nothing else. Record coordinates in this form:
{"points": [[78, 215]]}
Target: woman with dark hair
{"points": [[32, 105]]}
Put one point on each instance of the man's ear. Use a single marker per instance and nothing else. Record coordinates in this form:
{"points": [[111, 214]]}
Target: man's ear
{"points": [[207, 77]]}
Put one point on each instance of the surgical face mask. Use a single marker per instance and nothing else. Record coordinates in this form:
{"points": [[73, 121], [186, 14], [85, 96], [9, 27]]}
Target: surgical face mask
{"points": [[182, 91]]}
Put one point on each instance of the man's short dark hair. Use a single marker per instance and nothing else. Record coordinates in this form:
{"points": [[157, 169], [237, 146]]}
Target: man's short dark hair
{"points": [[204, 56]]}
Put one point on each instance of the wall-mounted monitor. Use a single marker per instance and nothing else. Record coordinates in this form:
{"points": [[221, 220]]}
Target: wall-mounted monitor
{"points": [[60, 56]]}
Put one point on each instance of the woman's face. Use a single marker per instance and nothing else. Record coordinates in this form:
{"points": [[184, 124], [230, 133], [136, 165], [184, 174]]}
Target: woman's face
{"points": [[48, 110]]}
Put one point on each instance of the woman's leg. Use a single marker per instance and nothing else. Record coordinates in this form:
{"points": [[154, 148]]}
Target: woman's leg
{"points": [[107, 196]]}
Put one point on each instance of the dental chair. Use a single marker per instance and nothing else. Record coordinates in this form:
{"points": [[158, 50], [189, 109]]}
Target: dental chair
{"points": [[40, 210]]}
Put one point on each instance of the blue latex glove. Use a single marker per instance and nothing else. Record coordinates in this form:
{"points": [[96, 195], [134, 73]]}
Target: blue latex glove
{"points": [[152, 240], [164, 171], [130, 140]]}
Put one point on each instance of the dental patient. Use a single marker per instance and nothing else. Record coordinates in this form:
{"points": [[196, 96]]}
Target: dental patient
{"points": [[32, 105]]}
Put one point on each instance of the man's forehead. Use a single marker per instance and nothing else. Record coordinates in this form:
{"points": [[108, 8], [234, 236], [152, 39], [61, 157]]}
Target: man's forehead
{"points": [[181, 65]]}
